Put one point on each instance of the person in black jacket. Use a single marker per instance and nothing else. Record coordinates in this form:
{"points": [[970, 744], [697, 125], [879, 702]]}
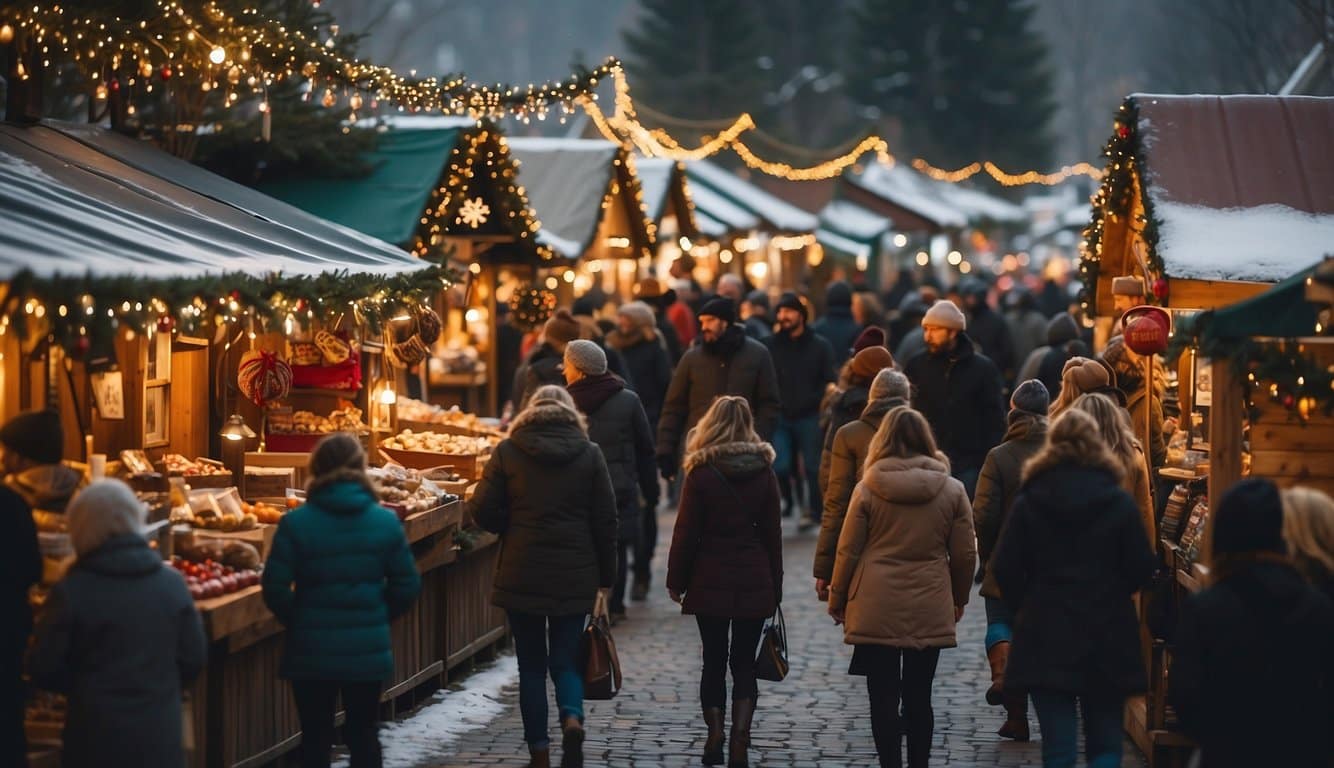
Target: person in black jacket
{"points": [[988, 328], [542, 367], [755, 315], [1070, 558], [1252, 676], [804, 363], [958, 391], [616, 422], [837, 326], [29, 440], [509, 340], [1046, 363], [547, 492]]}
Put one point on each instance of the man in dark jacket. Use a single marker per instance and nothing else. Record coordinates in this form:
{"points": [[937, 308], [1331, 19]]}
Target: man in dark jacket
{"points": [[958, 391], [30, 440], [987, 328], [616, 422], [837, 326], [804, 363], [1046, 363], [725, 362], [543, 364], [996, 488], [1252, 673], [755, 313]]}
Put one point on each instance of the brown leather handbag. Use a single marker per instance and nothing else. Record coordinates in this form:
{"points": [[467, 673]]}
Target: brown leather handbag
{"points": [[602, 667]]}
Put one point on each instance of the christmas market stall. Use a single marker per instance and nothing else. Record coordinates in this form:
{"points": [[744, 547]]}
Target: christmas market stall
{"points": [[856, 238], [668, 203], [151, 314]]}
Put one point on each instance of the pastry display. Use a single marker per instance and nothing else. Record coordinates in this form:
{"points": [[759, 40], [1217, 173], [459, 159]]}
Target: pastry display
{"points": [[415, 410], [308, 423], [177, 464], [435, 442], [406, 489]]}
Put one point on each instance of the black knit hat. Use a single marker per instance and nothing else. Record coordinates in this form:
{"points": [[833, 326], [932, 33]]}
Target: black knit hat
{"points": [[1249, 518], [36, 436], [722, 308], [790, 300], [758, 298], [1032, 397]]}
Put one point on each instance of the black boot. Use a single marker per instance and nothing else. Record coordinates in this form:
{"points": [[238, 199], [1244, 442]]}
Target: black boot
{"points": [[639, 592], [743, 711], [572, 743], [713, 744], [539, 758]]}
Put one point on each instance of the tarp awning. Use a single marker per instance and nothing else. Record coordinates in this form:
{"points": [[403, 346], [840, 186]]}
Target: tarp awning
{"points": [[1280, 312], [566, 181], [719, 210]]}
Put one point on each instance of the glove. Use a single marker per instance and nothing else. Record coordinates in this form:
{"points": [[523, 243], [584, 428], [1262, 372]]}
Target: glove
{"points": [[667, 466]]}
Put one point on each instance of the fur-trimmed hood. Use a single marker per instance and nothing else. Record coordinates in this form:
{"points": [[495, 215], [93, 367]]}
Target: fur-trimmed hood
{"points": [[732, 459], [550, 433]]}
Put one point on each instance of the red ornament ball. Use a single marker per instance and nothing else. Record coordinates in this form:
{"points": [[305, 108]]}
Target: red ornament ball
{"points": [[1160, 289], [1122, 130], [1288, 401], [114, 84], [165, 72], [82, 345], [166, 323]]}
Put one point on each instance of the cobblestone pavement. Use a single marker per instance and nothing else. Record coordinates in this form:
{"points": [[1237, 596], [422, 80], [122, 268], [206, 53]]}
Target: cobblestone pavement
{"points": [[817, 717]]}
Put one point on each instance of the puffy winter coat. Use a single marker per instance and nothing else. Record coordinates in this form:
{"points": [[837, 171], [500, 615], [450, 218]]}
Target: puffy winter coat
{"points": [[804, 366], [734, 365], [845, 405], [1071, 555], [846, 455], [998, 484], [616, 422], [650, 369], [20, 569], [727, 547], [991, 333], [542, 367], [547, 492], [120, 637], [340, 570], [837, 325], [960, 395], [1252, 677], [905, 556]]}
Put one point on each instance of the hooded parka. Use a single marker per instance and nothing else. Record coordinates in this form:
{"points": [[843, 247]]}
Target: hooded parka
{"points": [[998, 484], [616, 422]]}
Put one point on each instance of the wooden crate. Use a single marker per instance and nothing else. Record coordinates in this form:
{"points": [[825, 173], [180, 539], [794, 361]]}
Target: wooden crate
{"points": [[445, 429], [467, 465]]}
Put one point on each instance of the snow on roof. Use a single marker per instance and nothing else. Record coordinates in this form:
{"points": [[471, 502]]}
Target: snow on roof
{"points": [[838, 242], [980, 205], [655, 179], [909, 189], [778, 212], [853, 220], [418, 122], [715, 206], [565, 181], [1260, 244], [709, 225]]}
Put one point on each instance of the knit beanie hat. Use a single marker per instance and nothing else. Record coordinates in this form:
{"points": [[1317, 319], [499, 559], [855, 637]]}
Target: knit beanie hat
{"points": [[945, 314], [36, 436], [586, 357], [758, 298], [872, 336], [889, 383], [562, 328], [1249, 518], [790, 300], [1031, 397], [870, 361], [639, 313], [104, 509], [1084, 374], [722, 308]]}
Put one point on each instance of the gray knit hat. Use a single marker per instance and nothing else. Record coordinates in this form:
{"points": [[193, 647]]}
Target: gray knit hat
{"points": [[587, 357], [1031, 397], [946, 315], [640, 314], [889, 383]]}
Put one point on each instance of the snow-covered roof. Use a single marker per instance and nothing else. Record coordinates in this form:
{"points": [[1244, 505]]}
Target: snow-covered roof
{"points": [[565, 181], [909, 189], [418, 122], [831, 239], [980, 206], [712, 205], [709, 225], [779, 213], [1264, 243], [655, 179], [853, 220]]}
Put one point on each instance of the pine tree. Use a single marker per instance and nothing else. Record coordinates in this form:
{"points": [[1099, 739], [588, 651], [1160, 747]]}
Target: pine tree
{"points": [[696, 59], [964, 80]]}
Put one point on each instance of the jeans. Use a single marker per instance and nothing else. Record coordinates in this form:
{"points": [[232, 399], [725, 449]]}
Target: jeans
{"points": [[1060, 729], [617, 602], [999, 620], [912, 685], [800, 437], [717, 658], [531, 635], [315, 706], [968, 476]]}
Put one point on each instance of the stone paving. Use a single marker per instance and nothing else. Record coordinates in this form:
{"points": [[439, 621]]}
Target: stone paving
{"points": [[817, 717]]}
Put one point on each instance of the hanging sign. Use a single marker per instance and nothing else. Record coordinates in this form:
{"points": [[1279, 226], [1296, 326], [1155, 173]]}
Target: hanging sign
{"points": [[109, 395]]}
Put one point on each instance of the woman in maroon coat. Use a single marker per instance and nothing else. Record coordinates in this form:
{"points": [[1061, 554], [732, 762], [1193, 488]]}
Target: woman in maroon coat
{"points": [[726, 562]]}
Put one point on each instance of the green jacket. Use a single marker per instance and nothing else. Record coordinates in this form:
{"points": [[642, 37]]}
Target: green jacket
{"points": [[339, 571]]}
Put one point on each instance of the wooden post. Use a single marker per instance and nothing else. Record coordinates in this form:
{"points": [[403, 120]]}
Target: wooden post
{"points": [[490, 278], [1225, 419]]}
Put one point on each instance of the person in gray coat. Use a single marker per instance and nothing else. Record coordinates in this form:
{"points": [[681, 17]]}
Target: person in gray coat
{"points": [[120, 637], [725, 362], [617, 423]]}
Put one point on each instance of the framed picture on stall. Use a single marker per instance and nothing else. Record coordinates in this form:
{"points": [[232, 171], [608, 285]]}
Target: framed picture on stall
{"points": [[155, 416]]}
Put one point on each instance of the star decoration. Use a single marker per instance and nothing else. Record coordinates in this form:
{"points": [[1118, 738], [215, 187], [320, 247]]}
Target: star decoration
{"points": [[474, 212]]}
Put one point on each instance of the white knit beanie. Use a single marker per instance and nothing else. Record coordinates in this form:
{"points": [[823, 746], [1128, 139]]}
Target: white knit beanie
{"points": [[639, 313], [945, 314], [587, 357]]}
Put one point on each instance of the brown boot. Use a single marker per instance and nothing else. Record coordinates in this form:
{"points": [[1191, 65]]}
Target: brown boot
{"points": [[743, 711], [1016, 717], [998, 656], [572, 743], [539, 758], [713, 744]]}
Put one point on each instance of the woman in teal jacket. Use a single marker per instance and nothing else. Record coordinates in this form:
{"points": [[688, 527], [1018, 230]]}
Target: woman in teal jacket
{"points": [[339, 572]]}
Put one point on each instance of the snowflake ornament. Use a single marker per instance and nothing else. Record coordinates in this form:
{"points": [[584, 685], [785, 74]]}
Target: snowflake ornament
{"points": [[474, 212]]}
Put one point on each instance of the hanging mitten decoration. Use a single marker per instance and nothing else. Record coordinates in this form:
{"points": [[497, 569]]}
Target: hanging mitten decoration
{"points": [[263, 377]]}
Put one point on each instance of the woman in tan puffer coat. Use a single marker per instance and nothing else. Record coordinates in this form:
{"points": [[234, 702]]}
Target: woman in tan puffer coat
{"points": [[902, 576]]}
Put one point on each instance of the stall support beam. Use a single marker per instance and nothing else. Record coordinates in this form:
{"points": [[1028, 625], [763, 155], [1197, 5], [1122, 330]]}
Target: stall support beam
{"points": [[1225, 426]]}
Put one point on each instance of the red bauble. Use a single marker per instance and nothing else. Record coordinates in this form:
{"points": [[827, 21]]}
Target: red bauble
{"points": [[1160, 289], [114, 84], [300, 305], [1288, 401], [82, 345], [1122, 130], [166, 323], [165, 72]]}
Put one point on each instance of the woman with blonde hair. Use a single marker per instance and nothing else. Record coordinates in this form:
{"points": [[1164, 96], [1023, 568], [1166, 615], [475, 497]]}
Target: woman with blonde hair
{"points": [[1072, 554], [1308, 527], [726, 562], [902, 576], [1114, 427], [1079, 376], [547, 492]]}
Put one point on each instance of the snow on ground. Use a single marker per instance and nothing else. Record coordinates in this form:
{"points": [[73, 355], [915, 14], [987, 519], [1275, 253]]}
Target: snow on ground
{"points": [[426, 735]]}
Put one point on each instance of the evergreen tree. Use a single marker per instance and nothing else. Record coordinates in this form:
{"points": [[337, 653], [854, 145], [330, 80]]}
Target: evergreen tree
{"points": [[696, 59], [963, 80]]}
